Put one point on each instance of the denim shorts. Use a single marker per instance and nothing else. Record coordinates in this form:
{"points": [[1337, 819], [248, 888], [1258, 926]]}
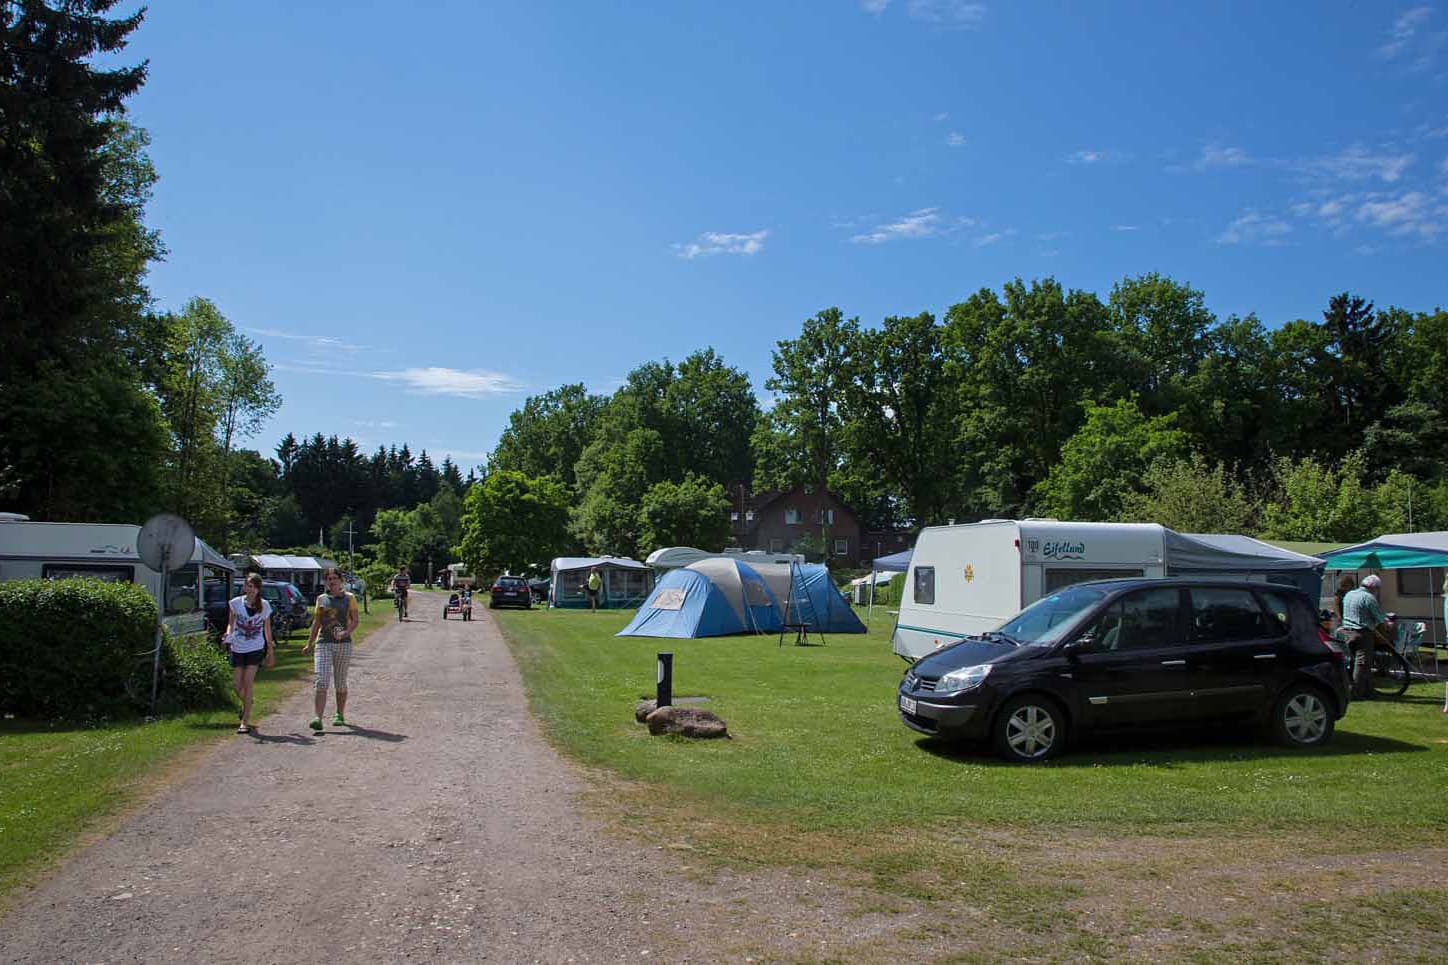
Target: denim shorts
{"points": [[253, 659]]}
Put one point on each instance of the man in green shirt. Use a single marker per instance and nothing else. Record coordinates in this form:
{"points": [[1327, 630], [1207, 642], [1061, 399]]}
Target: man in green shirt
{"points": [[1363, 620]]}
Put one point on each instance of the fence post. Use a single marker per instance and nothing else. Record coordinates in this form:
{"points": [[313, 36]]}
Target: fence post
{"points": [[665, 692]]}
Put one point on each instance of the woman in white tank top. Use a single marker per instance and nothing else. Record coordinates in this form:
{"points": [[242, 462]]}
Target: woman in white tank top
{"points": [[249, 639]]}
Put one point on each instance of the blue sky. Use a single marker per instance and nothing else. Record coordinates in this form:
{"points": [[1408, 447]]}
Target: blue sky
{"points": [[427, 213]]}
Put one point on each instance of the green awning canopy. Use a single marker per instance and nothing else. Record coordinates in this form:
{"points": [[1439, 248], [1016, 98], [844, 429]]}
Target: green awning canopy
{"points": [[1399, 551]]}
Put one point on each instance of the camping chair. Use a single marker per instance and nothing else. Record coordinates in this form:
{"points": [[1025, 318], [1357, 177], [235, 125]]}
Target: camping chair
{"points": [[1409, 643]]}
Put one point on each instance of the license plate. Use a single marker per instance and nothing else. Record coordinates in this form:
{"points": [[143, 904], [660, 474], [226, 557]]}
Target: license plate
{"points": [[907, 704]]}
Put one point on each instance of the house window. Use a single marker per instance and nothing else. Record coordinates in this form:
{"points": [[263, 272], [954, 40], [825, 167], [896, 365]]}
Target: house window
{"points": [[792, 517], [823, 516], [776, 545], [749, 516], [733, 517], [842, 547]]}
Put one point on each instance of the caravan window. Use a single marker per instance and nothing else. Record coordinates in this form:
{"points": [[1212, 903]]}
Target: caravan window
{"points": [[92, 571], [1058, 579], [182, 593], [1419, 581], [924, 584]]}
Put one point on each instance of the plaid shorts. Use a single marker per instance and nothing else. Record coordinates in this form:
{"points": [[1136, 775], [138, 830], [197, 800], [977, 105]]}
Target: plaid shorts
{"points": [[331, 663]]}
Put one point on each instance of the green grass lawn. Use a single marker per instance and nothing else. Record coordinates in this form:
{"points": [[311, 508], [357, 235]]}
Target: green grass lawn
{"points": [[1205, 847], [58, 782], [818, 744]]}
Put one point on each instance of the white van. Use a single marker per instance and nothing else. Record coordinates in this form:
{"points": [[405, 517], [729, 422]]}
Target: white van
{"points": [[966, 579], [107, 551]]}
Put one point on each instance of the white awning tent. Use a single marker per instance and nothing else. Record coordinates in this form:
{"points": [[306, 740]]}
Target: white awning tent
{"points": [[886, 567]]}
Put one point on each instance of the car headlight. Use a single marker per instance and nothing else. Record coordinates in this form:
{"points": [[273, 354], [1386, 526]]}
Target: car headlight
{"points": [[966, 678]]}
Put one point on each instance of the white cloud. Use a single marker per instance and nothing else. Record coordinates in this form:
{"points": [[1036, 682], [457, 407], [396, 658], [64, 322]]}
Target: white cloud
{"points": [[1357, 163], [1124, 227], [1086, 157], [1405, 37], [1214, 156], [953, 14], [436, 380], [720, 243], [371, 424], [992, 238], [320, 343], [940, 117], [874, 6], [1053, 235], [1255, 229], [918, 224], [956, 139], [1408, 214]]}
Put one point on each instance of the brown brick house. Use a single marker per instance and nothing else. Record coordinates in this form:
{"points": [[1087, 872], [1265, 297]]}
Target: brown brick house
{"points": [[775, 521]]}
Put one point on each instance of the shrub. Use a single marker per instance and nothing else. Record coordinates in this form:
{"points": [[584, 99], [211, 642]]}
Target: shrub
{"points": [[379, 580], [68, 646], [78, 649], [197, 675]]}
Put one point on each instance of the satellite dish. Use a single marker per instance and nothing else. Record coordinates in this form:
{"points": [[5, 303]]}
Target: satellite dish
{"points": [[165, 542]]}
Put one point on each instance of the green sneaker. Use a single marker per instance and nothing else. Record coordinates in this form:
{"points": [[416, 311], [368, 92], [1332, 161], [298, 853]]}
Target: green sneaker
{"points": [[315, 723], [337, 720]]}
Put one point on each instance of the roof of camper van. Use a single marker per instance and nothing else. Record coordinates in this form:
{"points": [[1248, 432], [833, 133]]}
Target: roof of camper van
{"points": [[91, 540]]}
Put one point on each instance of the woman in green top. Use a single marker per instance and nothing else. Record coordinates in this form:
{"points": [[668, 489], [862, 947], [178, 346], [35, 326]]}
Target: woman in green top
{"points": [[332, 625], [594, 585]]}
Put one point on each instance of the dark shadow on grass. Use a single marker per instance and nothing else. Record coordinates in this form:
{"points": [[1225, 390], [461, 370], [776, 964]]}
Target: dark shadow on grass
{"points": [[377, 735], [1169, 747]]}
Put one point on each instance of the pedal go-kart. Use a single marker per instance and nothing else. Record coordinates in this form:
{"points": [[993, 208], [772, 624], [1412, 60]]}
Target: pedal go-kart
{"points": [[457, 603]]}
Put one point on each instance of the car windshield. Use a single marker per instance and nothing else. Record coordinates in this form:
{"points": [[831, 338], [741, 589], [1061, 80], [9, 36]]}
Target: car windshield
{"points": [[512, 581], [1042, 623]]}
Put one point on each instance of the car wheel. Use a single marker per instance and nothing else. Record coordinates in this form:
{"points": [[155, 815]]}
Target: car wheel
{"points": [[1302, 717], [1029, 729]]}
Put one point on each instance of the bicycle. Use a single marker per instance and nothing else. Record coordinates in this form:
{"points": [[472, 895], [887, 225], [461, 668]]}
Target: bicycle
{"points": [[1391, 672], [399, 605]]}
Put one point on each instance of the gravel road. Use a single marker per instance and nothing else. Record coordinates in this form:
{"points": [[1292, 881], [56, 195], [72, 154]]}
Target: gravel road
{"points": [[439, 827]]}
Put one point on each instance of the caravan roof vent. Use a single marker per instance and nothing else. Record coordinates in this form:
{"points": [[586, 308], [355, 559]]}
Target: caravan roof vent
{"points": [[1041, 519], [995, 520]]}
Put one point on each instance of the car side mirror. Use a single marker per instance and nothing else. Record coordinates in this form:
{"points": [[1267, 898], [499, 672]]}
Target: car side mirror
{"points": [[1085, 643]]}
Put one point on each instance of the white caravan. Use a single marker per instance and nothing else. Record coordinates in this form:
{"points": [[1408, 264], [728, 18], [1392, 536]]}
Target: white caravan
{"points": [[107, 551], [967, 579]]}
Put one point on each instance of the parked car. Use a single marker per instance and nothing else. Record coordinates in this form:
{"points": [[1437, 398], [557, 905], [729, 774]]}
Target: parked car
{"points": [[1132, 654], [510, 591], [289, 607], [540, 589]]}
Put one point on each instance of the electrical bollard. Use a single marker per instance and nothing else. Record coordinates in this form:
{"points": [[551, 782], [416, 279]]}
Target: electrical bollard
{"points": [[665, 692]]}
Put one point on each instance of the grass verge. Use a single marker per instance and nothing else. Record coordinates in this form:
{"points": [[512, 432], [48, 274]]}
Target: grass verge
{"points": [[61, 782], [1147, 846]]}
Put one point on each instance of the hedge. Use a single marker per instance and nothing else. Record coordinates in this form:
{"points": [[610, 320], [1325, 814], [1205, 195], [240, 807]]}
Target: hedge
{"points": [[69, 648]]}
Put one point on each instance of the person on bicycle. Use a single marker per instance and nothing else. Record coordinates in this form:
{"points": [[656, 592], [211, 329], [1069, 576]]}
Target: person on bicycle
{"points": [[1363, 620], [400, 584]]}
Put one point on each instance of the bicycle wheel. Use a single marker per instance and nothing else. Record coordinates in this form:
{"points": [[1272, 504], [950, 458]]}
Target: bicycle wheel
{"points": [[1390, 674]]}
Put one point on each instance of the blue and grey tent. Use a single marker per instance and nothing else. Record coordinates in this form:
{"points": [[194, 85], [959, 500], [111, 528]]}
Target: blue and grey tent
{"points": [[814, 599], [708, 598]]}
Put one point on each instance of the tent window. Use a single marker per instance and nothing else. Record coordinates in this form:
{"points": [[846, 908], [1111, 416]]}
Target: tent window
{"points": [[627, 584], [671, 598], [755, 595], [924, 584], [1419, 581]]}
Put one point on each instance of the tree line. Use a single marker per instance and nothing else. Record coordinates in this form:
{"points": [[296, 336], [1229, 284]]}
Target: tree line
{"points": [[1034, 400]]}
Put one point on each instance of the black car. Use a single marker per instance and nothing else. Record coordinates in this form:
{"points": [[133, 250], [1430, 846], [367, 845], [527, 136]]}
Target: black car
{"points": [[289, 607], [510, 591], [1130, 654]]}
